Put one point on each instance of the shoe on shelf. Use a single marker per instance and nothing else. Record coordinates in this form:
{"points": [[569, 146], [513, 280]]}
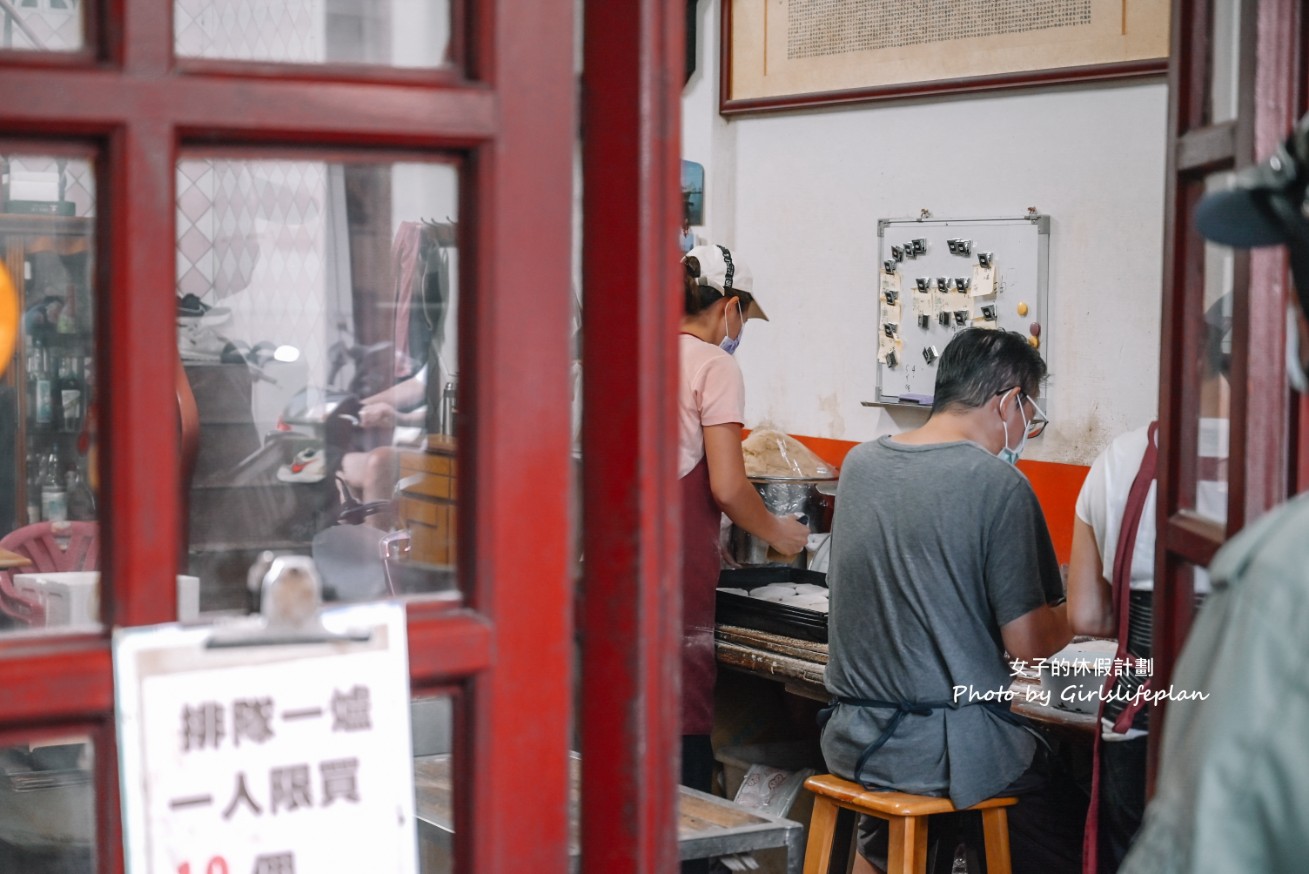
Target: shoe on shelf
{"points": [[308, 466], [193, 311]]}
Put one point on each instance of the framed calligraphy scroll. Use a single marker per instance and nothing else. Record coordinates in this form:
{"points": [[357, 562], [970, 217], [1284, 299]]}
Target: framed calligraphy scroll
{"points": [[783, 54]]}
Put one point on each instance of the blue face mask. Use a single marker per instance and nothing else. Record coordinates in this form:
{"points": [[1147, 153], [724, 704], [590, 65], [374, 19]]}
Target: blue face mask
{"points": [[729, 343], [1012, 455]]}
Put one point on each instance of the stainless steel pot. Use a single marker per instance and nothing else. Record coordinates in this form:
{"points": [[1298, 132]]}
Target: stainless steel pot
{"points": [[785, 496]]}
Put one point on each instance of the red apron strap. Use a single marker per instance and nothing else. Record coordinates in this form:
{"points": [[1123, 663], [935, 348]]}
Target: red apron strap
{"points": [[1120, 587], [1123, 563], [1122, 569]]}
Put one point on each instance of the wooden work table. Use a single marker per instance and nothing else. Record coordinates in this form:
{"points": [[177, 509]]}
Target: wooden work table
{"points": [[707, 826], [799, 664]]}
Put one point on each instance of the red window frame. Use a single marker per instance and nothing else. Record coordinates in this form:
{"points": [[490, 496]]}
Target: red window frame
{"points": [[511, 115], [1267, 459]]}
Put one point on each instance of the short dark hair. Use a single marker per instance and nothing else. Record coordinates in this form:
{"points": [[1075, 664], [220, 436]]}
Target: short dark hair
{"points": [[980, 363]]}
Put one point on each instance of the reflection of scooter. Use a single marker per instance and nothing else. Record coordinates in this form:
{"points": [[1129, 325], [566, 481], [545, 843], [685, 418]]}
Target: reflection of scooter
{"points": [[371, 366]]}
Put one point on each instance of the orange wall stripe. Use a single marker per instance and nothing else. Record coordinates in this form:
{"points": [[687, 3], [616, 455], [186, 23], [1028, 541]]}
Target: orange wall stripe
{"points": [[1056, 486]]}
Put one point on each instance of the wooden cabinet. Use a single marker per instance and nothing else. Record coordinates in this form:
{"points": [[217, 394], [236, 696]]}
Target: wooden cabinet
{"points": [[46, 389], [427, 498]]}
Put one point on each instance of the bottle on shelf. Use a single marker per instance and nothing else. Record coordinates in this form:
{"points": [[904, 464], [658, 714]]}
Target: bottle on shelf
{"points": [[54, 496], [33, 370], [35, 477], [70, 394], [56, 399], [81, 500], [43, 390]]}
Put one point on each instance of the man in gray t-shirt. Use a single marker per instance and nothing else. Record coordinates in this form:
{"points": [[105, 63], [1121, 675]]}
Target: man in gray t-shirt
{"points": [[941, 562]]}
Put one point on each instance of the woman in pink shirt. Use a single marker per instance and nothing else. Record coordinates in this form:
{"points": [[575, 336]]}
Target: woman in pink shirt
{"points": [[712, 469]]}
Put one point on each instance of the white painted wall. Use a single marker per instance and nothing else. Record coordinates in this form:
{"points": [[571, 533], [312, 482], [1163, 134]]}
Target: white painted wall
{"points": [[798, 194]]}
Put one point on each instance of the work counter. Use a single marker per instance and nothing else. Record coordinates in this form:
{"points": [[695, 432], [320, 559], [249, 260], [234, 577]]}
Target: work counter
{"points": [[798, 664]]}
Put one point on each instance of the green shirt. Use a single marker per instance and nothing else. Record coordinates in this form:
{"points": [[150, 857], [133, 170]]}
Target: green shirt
{"points": [[1233, 790]]}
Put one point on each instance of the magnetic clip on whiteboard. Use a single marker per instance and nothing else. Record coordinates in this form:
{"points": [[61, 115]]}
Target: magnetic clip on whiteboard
{"points": [[891, 296], [984, 259], [291, 603], [923, 282], [897, 252], [889, 265]]}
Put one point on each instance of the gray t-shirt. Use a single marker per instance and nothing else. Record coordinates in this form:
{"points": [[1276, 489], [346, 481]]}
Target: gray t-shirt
{"points": [[933, 549]]}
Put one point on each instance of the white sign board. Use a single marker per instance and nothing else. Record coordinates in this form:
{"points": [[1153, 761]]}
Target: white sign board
{"points": [[267, 759]]}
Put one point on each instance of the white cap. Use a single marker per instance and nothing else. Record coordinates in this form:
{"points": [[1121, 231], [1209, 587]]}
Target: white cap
{"points": [[722, 270]]}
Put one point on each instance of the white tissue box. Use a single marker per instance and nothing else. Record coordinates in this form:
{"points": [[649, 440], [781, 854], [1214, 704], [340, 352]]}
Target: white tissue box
{"points": [[73, 598]]}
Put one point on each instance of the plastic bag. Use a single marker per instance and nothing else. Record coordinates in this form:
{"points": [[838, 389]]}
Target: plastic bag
{"points": [[772, 453]]}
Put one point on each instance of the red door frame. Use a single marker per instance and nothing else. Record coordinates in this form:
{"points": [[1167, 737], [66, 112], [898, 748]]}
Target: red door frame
{"points": [[512, 118], [630, 614]]}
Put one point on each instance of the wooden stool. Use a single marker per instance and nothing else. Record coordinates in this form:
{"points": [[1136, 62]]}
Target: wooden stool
{"points": [[907, 817]]}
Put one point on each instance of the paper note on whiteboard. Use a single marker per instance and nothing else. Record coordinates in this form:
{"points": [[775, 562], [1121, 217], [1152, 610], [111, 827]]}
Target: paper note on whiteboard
{"points": [[272, 758]]}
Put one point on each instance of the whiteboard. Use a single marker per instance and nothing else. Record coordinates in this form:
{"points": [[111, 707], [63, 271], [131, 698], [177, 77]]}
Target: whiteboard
{"points": [[936, 277]]}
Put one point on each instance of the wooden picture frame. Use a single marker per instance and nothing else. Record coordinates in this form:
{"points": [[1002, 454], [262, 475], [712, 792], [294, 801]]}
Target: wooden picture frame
{"points": [[789, 54]]}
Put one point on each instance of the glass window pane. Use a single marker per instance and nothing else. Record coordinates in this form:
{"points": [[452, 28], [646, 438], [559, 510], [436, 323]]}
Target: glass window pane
{"points": [[433, 728], [49, 545], [392, 33], [1213, 374], [1225, 54], [42, 25], [47, 810], [316, 324]]}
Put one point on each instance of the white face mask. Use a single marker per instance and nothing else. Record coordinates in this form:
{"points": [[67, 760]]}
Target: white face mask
{"points": [[729, 343], [1294, 363], [1011, 455]]}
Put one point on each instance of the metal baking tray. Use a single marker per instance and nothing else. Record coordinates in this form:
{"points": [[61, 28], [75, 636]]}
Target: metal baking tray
{"points": [[746, 612]]}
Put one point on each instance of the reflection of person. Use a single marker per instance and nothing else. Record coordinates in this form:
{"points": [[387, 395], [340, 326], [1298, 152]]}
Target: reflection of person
{"points": [[711, 400], [940, 563], [1233, 783], [373, 474], [1110, 594]]}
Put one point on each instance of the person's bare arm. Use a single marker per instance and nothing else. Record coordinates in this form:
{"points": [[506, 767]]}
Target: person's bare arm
{"points": [[383, 415], [403, 395], [738, 498], [1090, 597], [401, 404], [1037, 634]]}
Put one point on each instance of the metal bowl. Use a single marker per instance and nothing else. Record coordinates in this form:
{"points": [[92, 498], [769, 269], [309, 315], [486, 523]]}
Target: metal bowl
{"points": [[812, 498]]}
